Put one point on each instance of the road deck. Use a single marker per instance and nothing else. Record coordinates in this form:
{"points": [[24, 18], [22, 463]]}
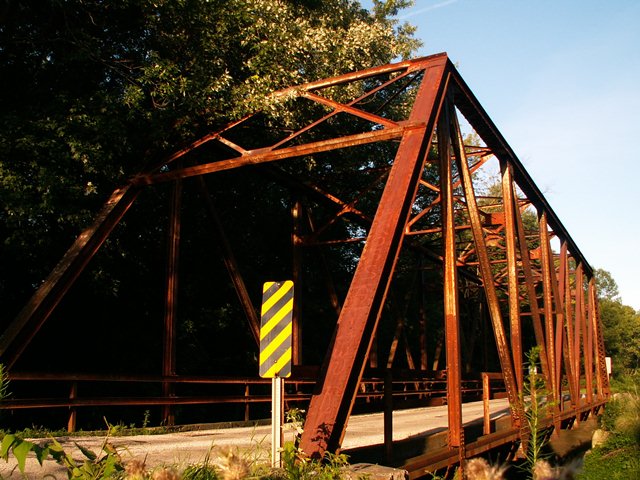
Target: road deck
{"points": [[184, 448]]}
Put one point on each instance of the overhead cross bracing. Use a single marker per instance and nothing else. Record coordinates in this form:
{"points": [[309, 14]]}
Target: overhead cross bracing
{"points": [[377, 173]]}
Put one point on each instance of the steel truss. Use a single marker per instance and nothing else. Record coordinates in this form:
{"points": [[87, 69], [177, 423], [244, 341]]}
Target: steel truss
{"points": [[503, 260]]}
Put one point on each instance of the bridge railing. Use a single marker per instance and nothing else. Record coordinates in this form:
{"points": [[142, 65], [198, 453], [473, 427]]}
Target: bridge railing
{"points": [[409, 389]]}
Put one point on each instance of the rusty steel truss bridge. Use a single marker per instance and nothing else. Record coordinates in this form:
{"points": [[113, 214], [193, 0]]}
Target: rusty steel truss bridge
{"points": [[449, 280]]}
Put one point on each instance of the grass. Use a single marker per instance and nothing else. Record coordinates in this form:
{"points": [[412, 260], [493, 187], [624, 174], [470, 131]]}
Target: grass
{"points": [[619, 456]]}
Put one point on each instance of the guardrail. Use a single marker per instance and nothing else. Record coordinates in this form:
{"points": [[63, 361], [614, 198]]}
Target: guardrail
{"points": [[407, 389]]}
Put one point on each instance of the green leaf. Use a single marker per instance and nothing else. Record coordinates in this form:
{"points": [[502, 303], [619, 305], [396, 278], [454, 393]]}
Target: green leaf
{"points": [[41, 453], [60, 456], [21, 450], [7, 441], [112, 465], [86, 452], [109, 467]]}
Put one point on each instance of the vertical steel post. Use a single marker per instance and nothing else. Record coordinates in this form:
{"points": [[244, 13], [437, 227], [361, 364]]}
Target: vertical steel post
{"points": [[388, 415], [545, 260], [296, 241], [560, 337], [568, 299], [533, 297], [73, 411], [579, 322], [561, 282], [450, 280], [488, 280], [588, 341], [486, 404], [508, 201], [247, 411], [564, 286], [171, 299]]}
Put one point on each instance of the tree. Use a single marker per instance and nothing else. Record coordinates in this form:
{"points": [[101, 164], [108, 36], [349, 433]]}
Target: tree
{"points": [[93, 90], [621, 324], [606, 285], [621, 330]]}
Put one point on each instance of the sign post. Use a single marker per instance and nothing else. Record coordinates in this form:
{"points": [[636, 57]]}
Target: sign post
{"points": [[277, 420], [275, 353]]}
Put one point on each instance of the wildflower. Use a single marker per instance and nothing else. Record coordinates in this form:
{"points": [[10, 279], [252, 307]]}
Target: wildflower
{"points": [[135, 470], [233, 466], [165, 473], [479, 469]]}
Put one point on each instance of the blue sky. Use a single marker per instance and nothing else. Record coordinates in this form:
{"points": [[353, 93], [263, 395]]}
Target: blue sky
{"points": [[561, 80]]}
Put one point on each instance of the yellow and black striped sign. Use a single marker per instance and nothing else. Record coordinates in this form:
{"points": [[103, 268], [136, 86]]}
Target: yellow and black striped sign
{"points": [[275, 329]]}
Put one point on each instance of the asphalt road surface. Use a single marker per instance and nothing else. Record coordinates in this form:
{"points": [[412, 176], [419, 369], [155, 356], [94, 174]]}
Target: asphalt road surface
{"points": [[185, 448]]}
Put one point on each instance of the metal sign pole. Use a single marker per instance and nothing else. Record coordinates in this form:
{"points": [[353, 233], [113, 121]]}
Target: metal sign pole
{"points": [[277, 419], [275, 354]]}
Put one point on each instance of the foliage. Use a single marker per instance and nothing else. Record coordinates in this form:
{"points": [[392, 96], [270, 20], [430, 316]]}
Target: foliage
{"points": [[200, 472], [230, 466], [621, 326], [94, 91], [95, 466], [42, 432], [619, 456], [606, 285], [621, 332], [4, 382], [98, 89], [297, 466], [629, 382], [537, 410], [619, 459]]}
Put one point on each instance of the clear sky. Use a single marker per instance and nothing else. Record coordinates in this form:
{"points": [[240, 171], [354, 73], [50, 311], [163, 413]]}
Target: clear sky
{"points": [[561, 80]]}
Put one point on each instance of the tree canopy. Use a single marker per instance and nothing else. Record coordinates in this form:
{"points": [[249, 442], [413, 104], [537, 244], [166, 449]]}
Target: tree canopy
{"points": [[95, 90], [621, 324], [607, 286]]}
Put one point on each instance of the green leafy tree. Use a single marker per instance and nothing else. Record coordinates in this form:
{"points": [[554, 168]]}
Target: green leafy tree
{"points": [[606, 285], [95, 90], [621, 334], [621, 324]]}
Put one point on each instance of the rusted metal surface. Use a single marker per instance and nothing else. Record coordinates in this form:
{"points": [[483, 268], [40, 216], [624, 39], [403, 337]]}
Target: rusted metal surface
{"points": [[515, 329], [450, 287], [486, 256], [486, 273], [331, 405], [232, 390], [171, 297], [546, 261]]}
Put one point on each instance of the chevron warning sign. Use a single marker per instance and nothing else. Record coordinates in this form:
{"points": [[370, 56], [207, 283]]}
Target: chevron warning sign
{"points": [[275, 329]]}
